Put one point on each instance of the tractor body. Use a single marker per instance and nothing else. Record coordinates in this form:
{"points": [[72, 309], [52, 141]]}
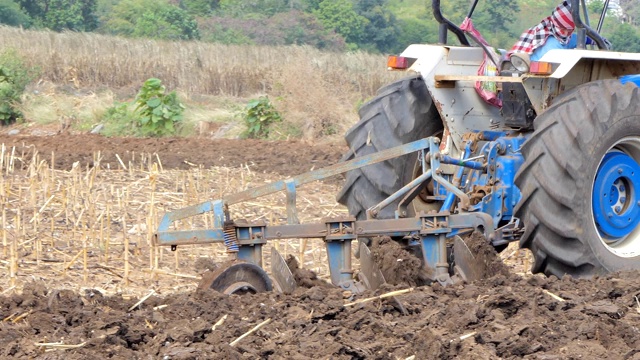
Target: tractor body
{"points": [[555, 168]]}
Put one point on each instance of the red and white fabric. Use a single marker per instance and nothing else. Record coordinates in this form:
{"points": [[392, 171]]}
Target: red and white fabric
{"points": [[559, 25]]}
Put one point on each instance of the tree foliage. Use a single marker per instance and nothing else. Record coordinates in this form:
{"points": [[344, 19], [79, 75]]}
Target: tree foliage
{"points": [[386, 26], [11, 14], [58, 15], [381, 29], [14, 77], [625, 38], [199, 7], [341, 17], [151, 18]]}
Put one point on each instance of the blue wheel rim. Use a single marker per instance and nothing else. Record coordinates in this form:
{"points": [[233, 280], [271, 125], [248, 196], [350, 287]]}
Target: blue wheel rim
{"points": [[616, 199]]}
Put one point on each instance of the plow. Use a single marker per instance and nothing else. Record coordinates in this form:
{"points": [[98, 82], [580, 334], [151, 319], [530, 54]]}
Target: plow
{"points": [[543, 152]]}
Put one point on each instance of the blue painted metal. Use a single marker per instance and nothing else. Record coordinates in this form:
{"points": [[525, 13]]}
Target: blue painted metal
{"points": [[398, 194], [448, 202], [431, 251], [219, 206], [635, 79], [495, 185], [339, 255], [435, 164], [484, 190], [616, 195], [445, 159], [251, 253], [292, 214]]}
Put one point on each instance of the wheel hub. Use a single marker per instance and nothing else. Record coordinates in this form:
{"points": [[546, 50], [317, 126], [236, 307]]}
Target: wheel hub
{"points": [[616, 201]]}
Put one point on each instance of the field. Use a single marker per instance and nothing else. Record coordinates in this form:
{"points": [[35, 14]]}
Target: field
{"points": [[76, 258], [81, 278]]}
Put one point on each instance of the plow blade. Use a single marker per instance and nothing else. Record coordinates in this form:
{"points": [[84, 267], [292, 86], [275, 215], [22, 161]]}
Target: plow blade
{"points": [[370, 274], [285, 280], [467, 266]]}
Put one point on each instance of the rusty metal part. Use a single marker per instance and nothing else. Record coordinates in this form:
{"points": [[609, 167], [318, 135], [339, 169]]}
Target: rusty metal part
{"points": [[466, 265], [237, 277], [285, 281], [479, 192]]}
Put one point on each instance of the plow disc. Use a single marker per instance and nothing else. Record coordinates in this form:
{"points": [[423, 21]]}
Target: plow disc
{"points": [[237, 277]]}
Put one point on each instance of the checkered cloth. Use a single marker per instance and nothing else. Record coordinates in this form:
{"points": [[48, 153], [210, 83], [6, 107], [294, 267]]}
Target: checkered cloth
{"points": [[559, 24]]}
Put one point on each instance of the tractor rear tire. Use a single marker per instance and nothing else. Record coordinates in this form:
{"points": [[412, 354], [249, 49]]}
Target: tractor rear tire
{"points": [[402, 112], [580, 183]]}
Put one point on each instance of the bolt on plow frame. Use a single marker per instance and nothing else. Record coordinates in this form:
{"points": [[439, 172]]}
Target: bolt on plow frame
{"points": [[538, 145]]}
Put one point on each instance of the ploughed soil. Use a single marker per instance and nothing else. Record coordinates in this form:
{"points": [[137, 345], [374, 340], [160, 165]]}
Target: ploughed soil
{"points": [[502, 317], [286, 158]]}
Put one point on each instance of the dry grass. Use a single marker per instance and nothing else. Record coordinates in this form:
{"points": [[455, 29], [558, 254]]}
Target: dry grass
{"points": [[317, 91], [92, 227]]}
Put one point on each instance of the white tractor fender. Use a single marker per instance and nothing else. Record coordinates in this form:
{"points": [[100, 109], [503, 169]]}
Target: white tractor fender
{"points": [[568, 59]]}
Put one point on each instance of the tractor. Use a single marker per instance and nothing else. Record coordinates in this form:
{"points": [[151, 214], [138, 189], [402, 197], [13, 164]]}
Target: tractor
{"points": [[556, 167]]}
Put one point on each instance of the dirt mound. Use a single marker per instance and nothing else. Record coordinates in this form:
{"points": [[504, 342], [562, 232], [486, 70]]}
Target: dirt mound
{"points": [[398, 265], [281, 157], [304, 277], [486, 255], [501, 317]]}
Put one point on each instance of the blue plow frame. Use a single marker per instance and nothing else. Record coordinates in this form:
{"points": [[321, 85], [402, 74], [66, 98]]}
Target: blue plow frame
{"points": [[429, 231]]}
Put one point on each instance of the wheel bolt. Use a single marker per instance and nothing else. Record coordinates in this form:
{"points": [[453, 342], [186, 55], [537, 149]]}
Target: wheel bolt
{"points": [[610, 215], [617, 209], [623, 199], [619, 170], [622, 188]]}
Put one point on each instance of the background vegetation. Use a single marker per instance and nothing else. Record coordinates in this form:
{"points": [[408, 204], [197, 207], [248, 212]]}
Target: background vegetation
{"points": [[384, 26], [316, 60], [84, 77]]}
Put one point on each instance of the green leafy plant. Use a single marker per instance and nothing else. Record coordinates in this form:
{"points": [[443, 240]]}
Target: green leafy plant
{"points": [[119, 120], [14, 77], [159, 112], [258, 115]]}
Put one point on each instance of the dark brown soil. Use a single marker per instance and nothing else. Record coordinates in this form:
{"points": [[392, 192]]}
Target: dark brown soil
{"points": [[398, 266], [304, 277], [501, 318], [280, 157], [486, 255]]}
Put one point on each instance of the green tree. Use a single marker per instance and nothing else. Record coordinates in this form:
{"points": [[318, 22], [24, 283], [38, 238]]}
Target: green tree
{"points": [[150, 18], [58, 15], [199, 7], [625, 38], [341, 17], [11, 14], [381, 28], [415, 31]]}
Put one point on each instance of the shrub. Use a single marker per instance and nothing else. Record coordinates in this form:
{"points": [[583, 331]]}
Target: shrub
{"points": [[14, 77], [119, 120], [258, 116], [159, 112]]}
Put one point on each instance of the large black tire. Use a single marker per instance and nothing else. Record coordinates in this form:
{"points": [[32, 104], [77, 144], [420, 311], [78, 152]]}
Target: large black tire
{"points": [[402, 112], [557, 181]]}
